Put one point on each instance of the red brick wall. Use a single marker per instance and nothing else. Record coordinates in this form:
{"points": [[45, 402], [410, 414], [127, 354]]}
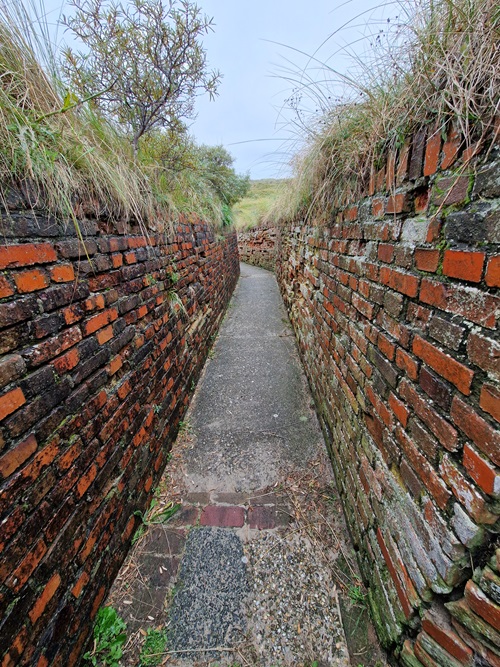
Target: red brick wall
{"points": [[97, 368], [395, 307], [258, 247]]}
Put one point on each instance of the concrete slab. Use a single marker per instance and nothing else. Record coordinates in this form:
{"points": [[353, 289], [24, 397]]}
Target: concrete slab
{"points": [[253, 416], [207, 611]]}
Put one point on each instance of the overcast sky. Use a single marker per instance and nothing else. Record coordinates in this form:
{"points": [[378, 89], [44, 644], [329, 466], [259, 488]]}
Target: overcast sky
{"points": [[245, 47]]}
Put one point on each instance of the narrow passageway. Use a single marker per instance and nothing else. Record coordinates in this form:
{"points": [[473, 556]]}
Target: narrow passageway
{"points": [[252, 414], [249, 571]]}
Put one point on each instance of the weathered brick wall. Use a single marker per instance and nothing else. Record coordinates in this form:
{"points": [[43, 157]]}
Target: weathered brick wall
{"points": [[258, 247], [395, 307], [97, 369]]}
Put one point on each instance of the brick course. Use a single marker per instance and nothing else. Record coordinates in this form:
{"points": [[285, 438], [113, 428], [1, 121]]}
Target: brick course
{"points": [[398, 332], [97, 372]]}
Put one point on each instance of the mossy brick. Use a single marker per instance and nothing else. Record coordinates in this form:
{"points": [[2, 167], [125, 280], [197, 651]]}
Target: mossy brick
{"points": [[478, 647], [431, 654], [407, 656], [482, 605], [449, 190], [477, 626], [407, 594], [436, 622], [489, 582]]}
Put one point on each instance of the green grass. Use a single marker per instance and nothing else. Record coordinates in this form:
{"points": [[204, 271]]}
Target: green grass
{"points": [[250, 211], [154, 647]]}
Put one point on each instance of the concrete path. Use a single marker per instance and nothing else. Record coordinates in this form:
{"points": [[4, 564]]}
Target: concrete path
{"points": [[241, 575], [252, 414]]}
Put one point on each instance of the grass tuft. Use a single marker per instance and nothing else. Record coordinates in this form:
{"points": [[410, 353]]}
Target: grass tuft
{"points": [[67, 159], [439, 65]]}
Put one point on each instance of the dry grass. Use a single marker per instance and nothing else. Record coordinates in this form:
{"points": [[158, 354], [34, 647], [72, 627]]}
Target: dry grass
{"points": [[60, 159], [440, 64], [68, 159]]}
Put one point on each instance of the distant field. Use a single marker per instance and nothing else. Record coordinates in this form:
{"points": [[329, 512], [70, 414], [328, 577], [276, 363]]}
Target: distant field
{"points": [[249, 211]]}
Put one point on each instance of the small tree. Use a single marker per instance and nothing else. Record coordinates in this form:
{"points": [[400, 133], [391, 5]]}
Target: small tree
{"points": [[146, 58], [216, 166]]}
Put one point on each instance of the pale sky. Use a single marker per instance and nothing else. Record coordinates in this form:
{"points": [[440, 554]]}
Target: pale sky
{"points": [[252, 94], [245, 47]]}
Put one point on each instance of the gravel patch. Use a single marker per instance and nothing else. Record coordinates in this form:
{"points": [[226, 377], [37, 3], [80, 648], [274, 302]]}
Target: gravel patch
{"points": [[293, 604], [207, 609]]}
